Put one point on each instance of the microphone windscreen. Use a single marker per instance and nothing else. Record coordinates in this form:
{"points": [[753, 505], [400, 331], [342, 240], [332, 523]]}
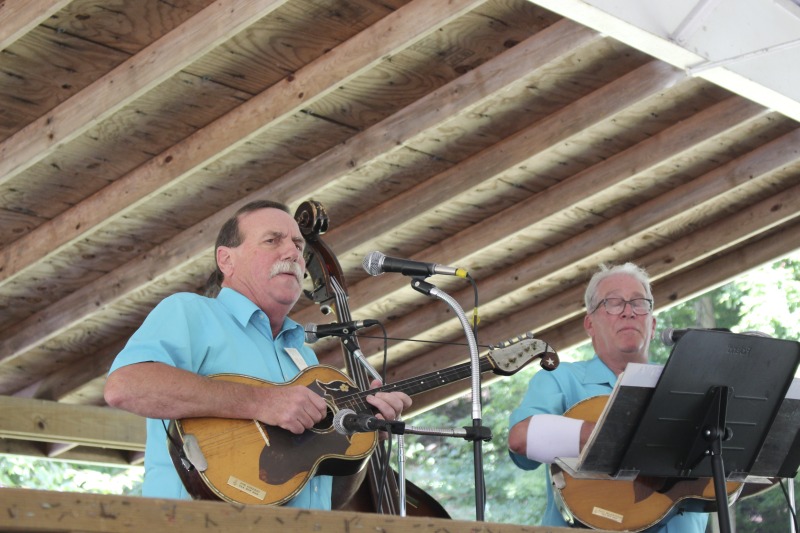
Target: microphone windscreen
{"points": [[373, 263], [311, 333], [337, 421], [666, 336]]}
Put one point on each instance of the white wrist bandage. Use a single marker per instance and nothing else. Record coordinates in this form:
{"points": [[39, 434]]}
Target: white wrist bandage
{"points": [[551, 436]]}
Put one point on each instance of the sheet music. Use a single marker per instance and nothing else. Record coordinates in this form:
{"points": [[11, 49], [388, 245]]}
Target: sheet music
{"points": [[794, 390], [639, 375]]}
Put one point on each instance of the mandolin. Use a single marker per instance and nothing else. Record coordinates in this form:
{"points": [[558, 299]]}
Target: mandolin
{"points": [[627, 505], [249, 462]]}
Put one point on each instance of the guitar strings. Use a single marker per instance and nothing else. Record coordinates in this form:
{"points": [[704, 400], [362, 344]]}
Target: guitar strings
{"points": [[422, 341], [447, 375], [379, 461]]}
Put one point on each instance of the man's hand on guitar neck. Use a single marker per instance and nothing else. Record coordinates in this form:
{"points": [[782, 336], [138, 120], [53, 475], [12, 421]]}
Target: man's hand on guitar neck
{"points": [[390, 405]]}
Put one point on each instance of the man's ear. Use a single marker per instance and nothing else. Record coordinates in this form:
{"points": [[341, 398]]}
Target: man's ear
{"points": [[225, 260], [653, 329], [588, 325]]}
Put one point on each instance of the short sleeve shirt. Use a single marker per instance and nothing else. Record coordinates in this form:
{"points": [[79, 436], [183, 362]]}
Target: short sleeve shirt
{"points": [[554, 393], [226, 334]]}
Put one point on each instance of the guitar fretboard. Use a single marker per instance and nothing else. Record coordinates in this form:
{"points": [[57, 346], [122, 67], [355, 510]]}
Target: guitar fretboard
{"points": [[411, 386]]}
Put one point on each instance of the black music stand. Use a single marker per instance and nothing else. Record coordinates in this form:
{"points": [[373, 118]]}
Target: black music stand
{"points": [[720, 394]]}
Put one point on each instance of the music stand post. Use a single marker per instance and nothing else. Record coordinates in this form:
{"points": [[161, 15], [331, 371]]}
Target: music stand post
{"points": [[708, 443], [712, 409]]}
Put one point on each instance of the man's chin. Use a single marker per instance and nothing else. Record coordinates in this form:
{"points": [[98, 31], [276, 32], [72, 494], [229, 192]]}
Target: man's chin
{"points": [[288, 293], [634, 351]]}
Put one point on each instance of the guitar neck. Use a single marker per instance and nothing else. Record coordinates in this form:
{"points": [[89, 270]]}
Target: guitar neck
{"points": [[418, 384]]}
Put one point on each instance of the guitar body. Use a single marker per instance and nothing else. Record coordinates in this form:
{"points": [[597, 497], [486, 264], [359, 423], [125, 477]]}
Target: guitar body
{"points": [[250, 462], [624, 505]]}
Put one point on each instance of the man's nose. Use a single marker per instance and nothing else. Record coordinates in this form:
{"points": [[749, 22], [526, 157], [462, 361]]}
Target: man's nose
{"points": [[291, 252]]}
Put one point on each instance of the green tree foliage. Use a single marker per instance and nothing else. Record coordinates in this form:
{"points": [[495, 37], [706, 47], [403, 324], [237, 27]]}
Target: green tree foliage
{"points": [[47, 474], [445, 467]]}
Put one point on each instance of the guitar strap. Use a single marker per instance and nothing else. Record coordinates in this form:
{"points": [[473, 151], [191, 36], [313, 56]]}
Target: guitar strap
{"points": [[294, 353]]}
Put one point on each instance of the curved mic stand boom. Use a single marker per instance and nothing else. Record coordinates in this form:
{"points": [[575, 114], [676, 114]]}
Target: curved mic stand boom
{"points": [[478, 433]]}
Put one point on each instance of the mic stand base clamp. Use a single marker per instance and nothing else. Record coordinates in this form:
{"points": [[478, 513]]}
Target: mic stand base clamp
{"points": [[474, 433], [395, 427]]}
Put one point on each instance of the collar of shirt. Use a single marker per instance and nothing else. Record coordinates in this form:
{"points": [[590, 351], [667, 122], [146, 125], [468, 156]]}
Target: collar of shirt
{"points": [[242, 309], [597, 372]]}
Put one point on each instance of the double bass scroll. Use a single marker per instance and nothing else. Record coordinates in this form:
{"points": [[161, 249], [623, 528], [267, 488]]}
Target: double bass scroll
{"points": [[328, 289]]}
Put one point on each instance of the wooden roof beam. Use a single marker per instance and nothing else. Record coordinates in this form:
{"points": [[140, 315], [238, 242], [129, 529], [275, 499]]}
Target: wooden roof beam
{"points": [[78, 375], [314, 81], [198, 239], [79, 454], [45, 421], [61, 315], [590, 110], [277, 103], [21, 16], [602, 242], [519, 218], [164, 58]]}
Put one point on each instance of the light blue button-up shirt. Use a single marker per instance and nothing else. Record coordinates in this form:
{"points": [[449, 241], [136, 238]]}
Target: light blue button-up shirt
{"points": [[226, 334], [554, 393]]}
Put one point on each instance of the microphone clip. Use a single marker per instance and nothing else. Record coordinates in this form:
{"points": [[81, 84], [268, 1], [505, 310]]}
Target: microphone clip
{"points": [[420, 285]]}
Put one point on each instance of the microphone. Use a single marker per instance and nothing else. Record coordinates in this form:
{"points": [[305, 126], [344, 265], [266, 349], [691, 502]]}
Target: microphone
{"points": [[316, 332], [347, 422], [670, 336], [375, 263]]}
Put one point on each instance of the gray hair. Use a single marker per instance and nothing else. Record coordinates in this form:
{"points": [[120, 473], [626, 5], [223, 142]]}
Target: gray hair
{"points": [[630, 269]]}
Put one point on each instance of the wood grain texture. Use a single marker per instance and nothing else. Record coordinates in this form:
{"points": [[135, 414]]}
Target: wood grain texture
{"points": [[48, 511]]}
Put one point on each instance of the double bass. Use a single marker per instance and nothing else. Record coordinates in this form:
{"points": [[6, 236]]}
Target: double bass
{"points": [[378, 493]]}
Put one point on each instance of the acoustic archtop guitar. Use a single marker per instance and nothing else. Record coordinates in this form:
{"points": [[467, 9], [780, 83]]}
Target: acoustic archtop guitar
{"points": [[249, 462], [627, 505]]}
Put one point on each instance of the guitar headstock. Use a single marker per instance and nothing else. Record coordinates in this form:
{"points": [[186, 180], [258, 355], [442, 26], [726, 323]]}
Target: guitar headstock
{"points": [[510, 356]]}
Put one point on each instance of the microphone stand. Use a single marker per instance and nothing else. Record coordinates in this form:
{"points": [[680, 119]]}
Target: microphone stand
{"points": [[349, 342], [401, 471], [478, 433], [352, 346]]}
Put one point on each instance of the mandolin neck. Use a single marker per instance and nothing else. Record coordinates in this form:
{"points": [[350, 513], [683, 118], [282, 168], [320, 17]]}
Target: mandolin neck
{"points": [[415, 385]]}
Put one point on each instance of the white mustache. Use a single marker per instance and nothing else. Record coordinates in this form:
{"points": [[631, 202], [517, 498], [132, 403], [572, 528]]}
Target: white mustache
{"points": [[284, 267]]}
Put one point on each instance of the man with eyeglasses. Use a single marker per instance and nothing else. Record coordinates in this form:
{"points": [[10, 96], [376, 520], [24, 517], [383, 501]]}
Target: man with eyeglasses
{"points": [[620, 322]]}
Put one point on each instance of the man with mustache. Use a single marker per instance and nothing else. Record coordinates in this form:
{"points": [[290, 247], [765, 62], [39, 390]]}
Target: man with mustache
{"points": [[620, 322], [160, 374]]}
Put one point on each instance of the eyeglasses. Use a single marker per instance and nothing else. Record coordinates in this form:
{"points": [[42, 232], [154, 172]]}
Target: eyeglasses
{"points": [[615, 306]]}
